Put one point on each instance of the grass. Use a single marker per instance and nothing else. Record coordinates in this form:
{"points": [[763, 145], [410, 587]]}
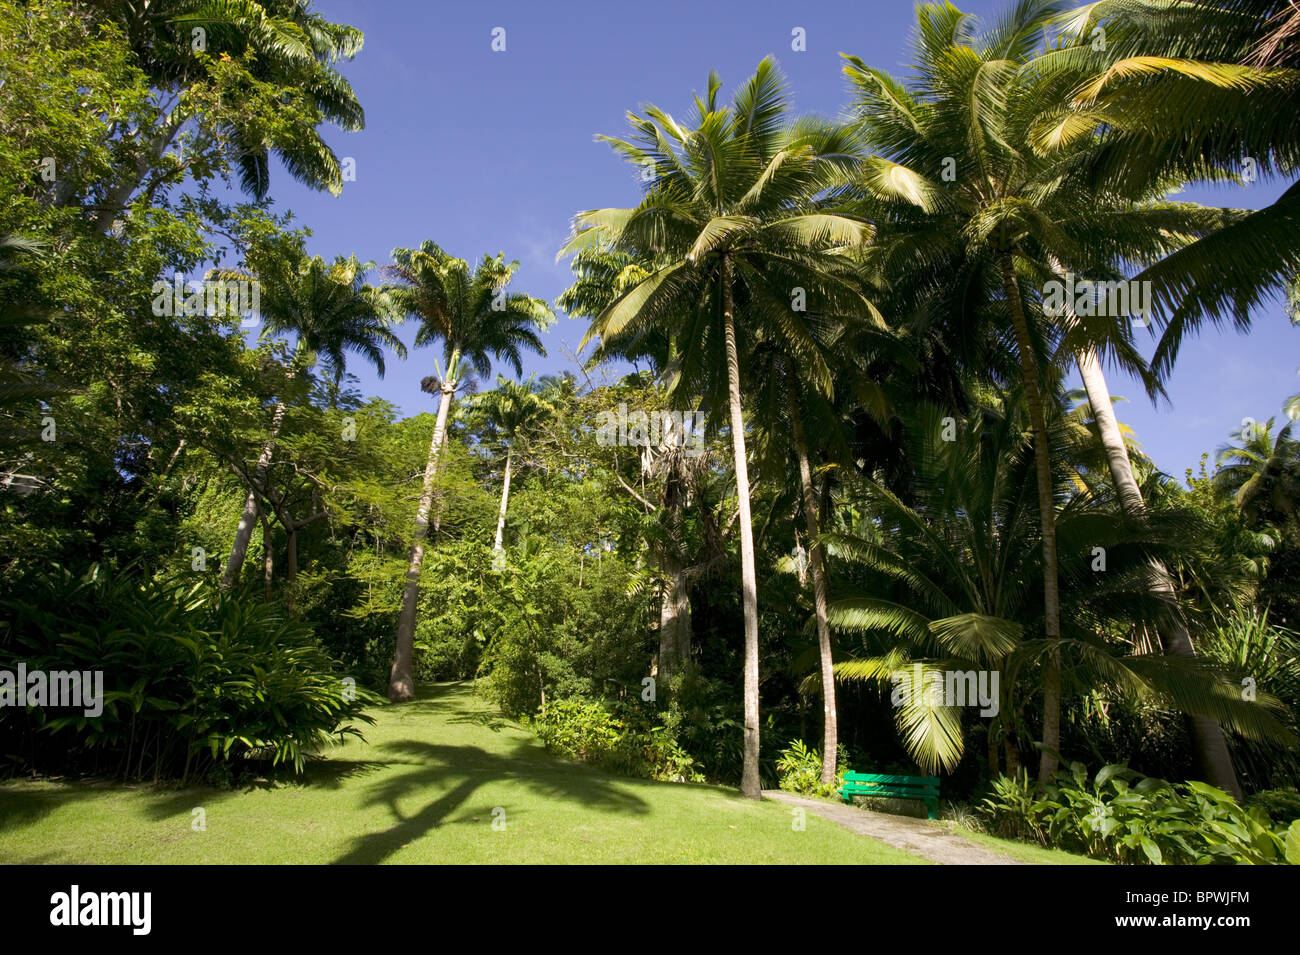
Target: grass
{"points": [[1025, 851], [425, 788]]}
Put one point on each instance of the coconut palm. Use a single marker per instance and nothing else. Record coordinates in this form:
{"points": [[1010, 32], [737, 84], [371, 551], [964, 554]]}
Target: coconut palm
{"points": [[1261, 472], [970, 188], [331, 310], [727, 240], [789, 410], [476, 320], [510, 412], [954, 579], [1206, 90]]}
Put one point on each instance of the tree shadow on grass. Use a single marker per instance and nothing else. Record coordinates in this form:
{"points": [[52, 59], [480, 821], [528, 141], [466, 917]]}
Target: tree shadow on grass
{"points": [[484, 718], [21, 806], [461, 770]]}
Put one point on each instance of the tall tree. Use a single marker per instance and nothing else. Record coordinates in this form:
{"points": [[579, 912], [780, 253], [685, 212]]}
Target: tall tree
{"points": [[727, 240], [951, 573], [970, 185], [234, 81], [476, 319], [331, 310], [1261, 472], [510, 411]]}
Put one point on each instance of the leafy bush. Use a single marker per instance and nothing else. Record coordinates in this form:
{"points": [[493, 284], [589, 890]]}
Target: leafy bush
{"points": [[1125, 817], [1282, 805], [800, 769], [589, 732], [1255, 649], [192, 679]]}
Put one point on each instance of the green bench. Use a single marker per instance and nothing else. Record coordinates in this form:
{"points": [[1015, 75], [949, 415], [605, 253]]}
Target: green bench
{"points": [[923, 788]]}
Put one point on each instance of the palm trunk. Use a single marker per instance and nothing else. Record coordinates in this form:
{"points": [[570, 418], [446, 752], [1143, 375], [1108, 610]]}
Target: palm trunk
{"points": [[675, 601], [244, 532], [1049, 762], [497, 543], [816, 561], [674, 618], [401, 681], [749, 784], [1211, 748]]}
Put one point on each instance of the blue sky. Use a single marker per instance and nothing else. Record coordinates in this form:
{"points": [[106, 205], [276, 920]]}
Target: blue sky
{"points": [[488, 151]]}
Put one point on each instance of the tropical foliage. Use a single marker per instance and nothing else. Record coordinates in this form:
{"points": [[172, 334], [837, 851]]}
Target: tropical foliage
{"points": [[817, 456]]}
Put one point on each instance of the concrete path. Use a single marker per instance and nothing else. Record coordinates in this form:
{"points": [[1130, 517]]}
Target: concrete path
{"points": [[921, 836]]}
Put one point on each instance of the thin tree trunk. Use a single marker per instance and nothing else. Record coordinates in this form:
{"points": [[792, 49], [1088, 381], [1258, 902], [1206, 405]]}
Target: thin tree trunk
{"points": [[1211, 748], [749, 784], [244, 532], [816, 561], [268, 560], [498, 543], [291, 566], [401, 680], [1013, 756], [1047, 517]]}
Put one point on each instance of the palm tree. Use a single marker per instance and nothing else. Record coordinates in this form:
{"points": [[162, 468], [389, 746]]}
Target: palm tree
{"points": [[476, 320], [331, 310], [788, 408], [1200, 91], [954, 190], [726, 228], [979, 182], [511, 411], [953, 573], [1262, 473]]}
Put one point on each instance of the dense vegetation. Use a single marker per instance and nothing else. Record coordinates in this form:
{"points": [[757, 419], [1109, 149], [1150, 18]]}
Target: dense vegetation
{"points": [[853, 457]]}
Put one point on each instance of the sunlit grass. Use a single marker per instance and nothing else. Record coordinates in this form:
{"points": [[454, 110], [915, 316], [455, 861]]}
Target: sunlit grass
{"points": [[426, 787]]}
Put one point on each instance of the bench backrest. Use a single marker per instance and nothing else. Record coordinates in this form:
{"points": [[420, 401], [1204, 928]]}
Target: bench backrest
{"points": [[921, 784]]}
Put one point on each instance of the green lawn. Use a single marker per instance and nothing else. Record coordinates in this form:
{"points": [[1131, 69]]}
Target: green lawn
{"points": [[422, 790], [1026, 851]]}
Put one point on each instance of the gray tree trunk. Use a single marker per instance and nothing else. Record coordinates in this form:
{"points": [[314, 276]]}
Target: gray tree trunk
{"points": [[1047, 520], [498, 543], [749, 784], [817, 564], [1211, 748], [244, 532], [674, 619], [401, 679]]}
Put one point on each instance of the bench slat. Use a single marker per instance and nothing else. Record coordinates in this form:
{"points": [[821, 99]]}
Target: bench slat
{"points": [[885, 786], [879, 778]]}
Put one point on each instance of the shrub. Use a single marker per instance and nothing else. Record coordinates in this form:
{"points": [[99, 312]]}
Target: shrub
{"points": [[192, 679], [800, 769], [587, 731], [1133, 819], [1282, 805]]}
